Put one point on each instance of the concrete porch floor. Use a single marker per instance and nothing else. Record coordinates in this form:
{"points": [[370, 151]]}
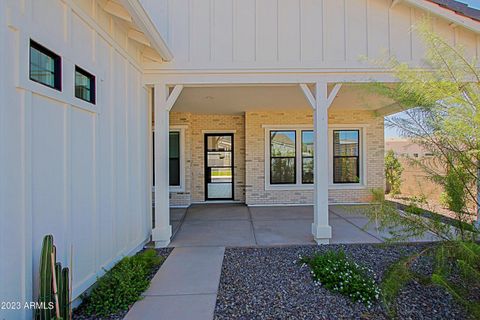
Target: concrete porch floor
{"points": [[236, 225]]}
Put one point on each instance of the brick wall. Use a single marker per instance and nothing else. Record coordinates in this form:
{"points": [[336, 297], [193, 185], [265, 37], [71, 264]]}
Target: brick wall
{"points": [[197, 124], [255, 157], [250, 155]]}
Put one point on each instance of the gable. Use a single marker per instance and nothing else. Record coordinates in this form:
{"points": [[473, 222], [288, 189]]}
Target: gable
{"points": [[298, 34]]}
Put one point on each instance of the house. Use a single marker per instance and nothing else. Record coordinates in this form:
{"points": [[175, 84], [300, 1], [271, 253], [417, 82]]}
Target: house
{"points": [[207, 100]]}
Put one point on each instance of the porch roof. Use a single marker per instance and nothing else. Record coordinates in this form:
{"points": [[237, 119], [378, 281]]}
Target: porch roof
{"points": [[236, 99]]}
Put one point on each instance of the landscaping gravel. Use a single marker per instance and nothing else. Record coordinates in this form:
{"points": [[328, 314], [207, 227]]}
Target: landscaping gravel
{"points": [[79, 313], [268, 283]]}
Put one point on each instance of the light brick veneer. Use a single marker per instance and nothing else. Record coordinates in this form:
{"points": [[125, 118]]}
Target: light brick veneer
{"points": [[197, 124], [250, 155], [255, 156]]}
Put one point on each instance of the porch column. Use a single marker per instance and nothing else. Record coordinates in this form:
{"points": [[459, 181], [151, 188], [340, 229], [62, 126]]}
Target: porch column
{"points": [[163, 231], [321, 230]]}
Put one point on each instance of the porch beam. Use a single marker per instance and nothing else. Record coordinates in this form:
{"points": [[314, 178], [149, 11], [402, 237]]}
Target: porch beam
{"points": [[162, 231], [333, 94], [321, 230], [174, 96], [308, 94]]}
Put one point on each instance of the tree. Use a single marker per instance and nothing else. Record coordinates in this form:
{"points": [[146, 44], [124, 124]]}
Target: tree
{"points": [[441, 106], [393, 173], [442, 115]]}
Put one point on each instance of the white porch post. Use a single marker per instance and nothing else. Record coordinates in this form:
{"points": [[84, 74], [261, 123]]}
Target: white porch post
{"points": [[163, 231], [321, 230]]}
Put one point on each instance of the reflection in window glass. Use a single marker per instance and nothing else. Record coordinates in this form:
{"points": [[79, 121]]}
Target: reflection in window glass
{"points": [[45, 66], [174, 154], [346, 156], [84, 85], [282, 157], [307, 157]]}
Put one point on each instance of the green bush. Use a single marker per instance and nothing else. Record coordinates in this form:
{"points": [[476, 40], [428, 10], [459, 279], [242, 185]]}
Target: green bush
{"points": [[122, 285], [337, 273]]}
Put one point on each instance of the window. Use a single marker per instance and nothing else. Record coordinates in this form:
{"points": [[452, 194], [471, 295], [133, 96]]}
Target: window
{"points": [[174, 145], [282, 157], [307, 157], [45, 66], [346, 165], [84, 85]]}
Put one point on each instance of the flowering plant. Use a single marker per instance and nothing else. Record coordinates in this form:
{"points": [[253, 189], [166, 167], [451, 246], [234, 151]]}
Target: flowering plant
{"points": [[337, 273]]}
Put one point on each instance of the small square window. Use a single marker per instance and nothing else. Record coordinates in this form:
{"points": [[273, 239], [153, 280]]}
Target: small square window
{"points": [[45, 66], [84, 85]]}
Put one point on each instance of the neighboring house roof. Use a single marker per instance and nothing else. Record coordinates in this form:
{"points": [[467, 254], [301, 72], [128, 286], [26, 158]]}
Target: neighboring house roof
{"points": [[459, 8]]}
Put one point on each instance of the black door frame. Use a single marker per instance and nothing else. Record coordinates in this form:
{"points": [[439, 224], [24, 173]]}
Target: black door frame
{"points": [[206, 173]]}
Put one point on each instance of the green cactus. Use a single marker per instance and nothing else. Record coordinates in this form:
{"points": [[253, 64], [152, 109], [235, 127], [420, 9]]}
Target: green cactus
{"points": [[46, 293]]}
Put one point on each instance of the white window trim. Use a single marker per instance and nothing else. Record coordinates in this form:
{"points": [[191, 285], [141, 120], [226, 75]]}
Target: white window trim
{"points": [[363, 156], [181, 187], [299, 186], [298, 155]]}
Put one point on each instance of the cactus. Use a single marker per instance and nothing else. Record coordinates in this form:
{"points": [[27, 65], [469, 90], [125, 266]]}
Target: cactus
{"points": [[46, 294]]}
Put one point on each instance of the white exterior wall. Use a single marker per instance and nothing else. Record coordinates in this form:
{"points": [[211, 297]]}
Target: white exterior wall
{"points": [[66, 167], [293, 34]]}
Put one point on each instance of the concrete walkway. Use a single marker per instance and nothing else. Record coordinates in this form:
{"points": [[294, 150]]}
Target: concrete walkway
{"points": [[235, 225], [184, 288]]}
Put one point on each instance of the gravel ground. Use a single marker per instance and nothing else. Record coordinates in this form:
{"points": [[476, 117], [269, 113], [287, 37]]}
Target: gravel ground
{"points": [[78, 313], [267, 283]]}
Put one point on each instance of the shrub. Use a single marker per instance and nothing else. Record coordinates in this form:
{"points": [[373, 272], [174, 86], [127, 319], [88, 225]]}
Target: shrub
{"points": [[337, 273], [393, 173], [122, 285]]}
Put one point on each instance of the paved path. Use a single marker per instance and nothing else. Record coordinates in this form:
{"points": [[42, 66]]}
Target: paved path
{"points": [[184, 288]]}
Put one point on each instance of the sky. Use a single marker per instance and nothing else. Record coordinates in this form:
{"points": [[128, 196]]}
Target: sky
{"points": [[392, 132], [472, 3]]}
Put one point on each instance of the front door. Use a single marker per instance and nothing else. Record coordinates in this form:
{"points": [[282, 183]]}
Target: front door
{"points": [[218, 166]]}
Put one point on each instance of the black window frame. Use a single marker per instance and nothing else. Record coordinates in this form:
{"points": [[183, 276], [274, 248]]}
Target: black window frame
{"points": [[93, 84], [57, 65], [283, 157], [341, 157], [307, 157], [175, 158]]}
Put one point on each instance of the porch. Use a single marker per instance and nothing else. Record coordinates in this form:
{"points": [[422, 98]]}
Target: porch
{"points": [[237, 225]]}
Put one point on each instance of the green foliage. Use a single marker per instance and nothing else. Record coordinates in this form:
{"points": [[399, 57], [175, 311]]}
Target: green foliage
{"points": [[393, 173], [122, 285], [396, 277], [337, 273], [441, 114], [46, 291]]}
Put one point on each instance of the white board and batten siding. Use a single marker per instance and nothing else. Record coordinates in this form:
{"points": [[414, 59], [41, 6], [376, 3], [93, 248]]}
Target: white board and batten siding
{"points": [[67, 167], [293, 34]]}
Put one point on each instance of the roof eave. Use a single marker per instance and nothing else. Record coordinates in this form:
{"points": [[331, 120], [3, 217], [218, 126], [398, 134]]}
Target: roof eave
{"points": [[145, 24], [446, 13]]}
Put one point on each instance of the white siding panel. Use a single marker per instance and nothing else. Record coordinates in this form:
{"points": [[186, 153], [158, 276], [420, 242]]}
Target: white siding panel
{"points": [[267, 31], [312, 31], [83, 188], [82, 42], [49, 176], [378, 28], [244, 30], [401, 32], [222, 30], [180, 29], [200, 30], [53, 12], [289, 30], [356, 21], [334, 30]]}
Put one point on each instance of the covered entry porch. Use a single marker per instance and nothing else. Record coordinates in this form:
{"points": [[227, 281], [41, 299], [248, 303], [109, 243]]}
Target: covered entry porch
{"points": [[206, 99]]}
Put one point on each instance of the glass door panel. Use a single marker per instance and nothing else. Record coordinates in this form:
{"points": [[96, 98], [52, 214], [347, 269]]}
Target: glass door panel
{"points": [[219, 166]]}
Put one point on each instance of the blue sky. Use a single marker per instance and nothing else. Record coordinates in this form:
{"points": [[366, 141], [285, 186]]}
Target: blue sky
{"points": [[392, 132], [472, 3]]}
